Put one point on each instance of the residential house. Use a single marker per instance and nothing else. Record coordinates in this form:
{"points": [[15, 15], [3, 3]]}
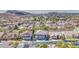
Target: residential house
{"points": [[37, 24], [55, 35], [76, 23], [10, 36], [41, 35], [76, 35], [49, 23], [27, 35], [68, 34], [1, 34]]}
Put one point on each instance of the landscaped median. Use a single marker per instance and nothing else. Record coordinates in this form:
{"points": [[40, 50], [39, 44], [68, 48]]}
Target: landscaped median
{"points": [[14, 43], [68, 43]]}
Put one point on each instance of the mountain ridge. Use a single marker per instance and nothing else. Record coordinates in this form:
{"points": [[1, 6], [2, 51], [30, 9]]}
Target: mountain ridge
{"points": [[23, 13]]}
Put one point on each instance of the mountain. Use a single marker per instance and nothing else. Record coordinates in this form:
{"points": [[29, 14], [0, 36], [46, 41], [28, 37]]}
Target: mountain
{"points": [[23, 13], [16, 15], [19, 13]]}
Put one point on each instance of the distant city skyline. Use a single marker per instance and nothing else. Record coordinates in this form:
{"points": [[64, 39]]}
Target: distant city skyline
{"points": [[45, 11]]}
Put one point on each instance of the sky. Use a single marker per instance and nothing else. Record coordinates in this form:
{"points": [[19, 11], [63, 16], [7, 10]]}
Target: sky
{"points": [[46, 11]]}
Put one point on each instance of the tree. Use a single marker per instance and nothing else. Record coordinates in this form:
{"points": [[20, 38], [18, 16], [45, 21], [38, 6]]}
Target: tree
{"points": [[60, 44], [63, 37], [16, 27], [33, 31], [42, 46], [22, 30]]}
